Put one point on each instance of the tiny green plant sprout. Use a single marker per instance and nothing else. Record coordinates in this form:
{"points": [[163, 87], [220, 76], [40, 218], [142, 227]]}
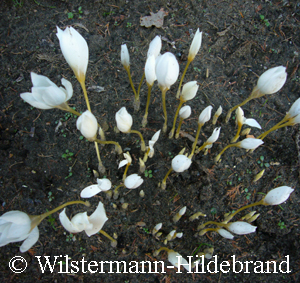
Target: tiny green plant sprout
{"points": [[17, 226]]}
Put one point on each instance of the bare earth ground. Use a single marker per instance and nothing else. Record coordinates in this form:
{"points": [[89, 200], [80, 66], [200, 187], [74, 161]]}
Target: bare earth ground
{"points": [[238, 45]]}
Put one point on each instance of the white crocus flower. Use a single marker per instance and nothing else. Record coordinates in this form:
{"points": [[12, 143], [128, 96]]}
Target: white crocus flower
{"points": [[215, 135], [181, 163], [154, 47], [174, 258], [15, 226], [133, 181], [217, 114], [45, 94], [152, 142], [241, 120], [150, 70], [277, 195], [195, 46], [250, 143], [87, 124], [167, 70], [205, 115], [124, 120], [185, 112], [189, 90], [225, 234], [272, 80], [295, 109], [127, 160], [125, 59], [103, 185], [241, 228], [75, 51], [81, 222]]}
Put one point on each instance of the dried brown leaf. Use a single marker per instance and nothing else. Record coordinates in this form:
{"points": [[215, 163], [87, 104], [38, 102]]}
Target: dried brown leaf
{"points": [[154, 19]]}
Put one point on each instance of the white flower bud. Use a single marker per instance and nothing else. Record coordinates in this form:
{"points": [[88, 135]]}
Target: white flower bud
{"points": [[250, 143], [181, 163], [174, 258], [87, 125], [154, 47], [150, 70], [195, 46], [133, 181], [277, 195], [189, 90], [272, 80], [185, 112], [124, 120], [167, 70], [215, 135], [125, 59], [182, 211], [205, 115], [75, 50], [295, 109], [241, 228]]}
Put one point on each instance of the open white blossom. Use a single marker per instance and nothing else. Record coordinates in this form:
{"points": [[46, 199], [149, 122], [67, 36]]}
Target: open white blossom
{"points": [[45, 94], [81, 222], [102, 186]]}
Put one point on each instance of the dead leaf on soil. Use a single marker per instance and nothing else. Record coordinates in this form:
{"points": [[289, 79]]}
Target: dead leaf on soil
{"points": [[154, 19]]}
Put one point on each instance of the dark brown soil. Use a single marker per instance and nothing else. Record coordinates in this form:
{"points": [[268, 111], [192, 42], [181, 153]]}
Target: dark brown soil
{"points": [[238, 45]]}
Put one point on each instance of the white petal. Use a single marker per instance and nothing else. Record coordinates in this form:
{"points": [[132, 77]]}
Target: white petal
{"points": [[69, 88], [90, 191], [81, 221], [150, 70], [97, 219], [31, 240], [67, 224], [295, 108], [123, 163], [28, 97], [252, 123], [40, 80], [17, 217], [155, 136], [225, 234], [104, 184], [215, 135]]}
